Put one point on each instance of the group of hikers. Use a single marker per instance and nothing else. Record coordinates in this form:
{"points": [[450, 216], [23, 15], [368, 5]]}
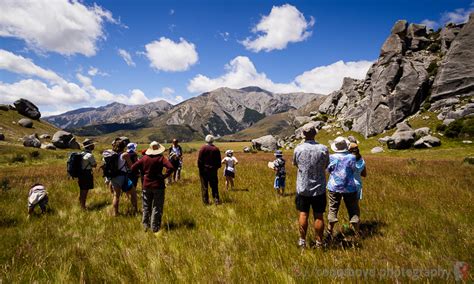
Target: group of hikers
{"points": [[123, 168]]}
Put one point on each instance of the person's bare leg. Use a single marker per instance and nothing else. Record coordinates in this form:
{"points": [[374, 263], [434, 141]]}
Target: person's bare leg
{"points": [[231, 179], [226, 183], [83, 198], [117, 192], [319, 227], [303, 224], [133, 199]]}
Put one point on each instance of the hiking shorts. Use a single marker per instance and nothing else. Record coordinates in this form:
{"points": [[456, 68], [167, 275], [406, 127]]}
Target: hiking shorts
{"points": [[279, 182], [86, 180], [118, 181], [304, 203]]}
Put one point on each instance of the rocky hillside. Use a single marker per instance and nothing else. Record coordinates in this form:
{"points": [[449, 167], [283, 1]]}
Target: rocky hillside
{"points": [[416, 69], [114, 113], [225, 111]]}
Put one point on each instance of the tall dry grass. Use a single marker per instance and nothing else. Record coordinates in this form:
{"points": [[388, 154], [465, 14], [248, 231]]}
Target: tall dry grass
{"points": [[417, 214]]}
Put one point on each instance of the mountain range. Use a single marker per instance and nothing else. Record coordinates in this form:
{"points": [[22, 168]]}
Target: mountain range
{"points": [[220, 112]]}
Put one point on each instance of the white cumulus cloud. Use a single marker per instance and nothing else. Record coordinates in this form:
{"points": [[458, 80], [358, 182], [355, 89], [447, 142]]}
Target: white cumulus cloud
{"points": [[458, 16], [167, 91], [65, 27], [167, 55], [20, 65], [126, 56], [50, 91], [241, 72], [94, 71], [284, 24]]}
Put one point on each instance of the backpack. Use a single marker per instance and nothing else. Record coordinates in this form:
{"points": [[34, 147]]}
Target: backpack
{"points": [[110, 167], [74, 164]]}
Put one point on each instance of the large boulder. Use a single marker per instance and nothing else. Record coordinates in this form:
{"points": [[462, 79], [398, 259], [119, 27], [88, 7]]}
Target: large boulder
{"points": [[403, 138], [64, 140], [26, 122], [456, 74], [265, 143], [316, 124], [31, 141], [45, 136], [427, 142], [423, 131], [27, 108]]}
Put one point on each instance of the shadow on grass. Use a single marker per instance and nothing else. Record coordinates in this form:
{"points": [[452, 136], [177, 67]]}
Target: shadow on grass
{"points": [[345, 238], [239, 189], [97, 206], [7, 222], [187, 224], [289, 194]]}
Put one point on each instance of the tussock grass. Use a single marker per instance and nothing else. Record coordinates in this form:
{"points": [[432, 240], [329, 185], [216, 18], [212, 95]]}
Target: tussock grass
{"points": [[417, 212]]}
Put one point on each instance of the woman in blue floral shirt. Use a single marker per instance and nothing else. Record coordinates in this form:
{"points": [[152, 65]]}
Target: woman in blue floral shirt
{"points": [[341, 185]]}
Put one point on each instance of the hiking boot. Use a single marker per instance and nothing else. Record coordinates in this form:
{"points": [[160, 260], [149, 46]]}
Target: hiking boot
{"points": [[302, 244]]}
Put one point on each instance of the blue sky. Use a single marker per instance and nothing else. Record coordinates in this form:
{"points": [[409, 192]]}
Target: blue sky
{"points": [[64, 55]]}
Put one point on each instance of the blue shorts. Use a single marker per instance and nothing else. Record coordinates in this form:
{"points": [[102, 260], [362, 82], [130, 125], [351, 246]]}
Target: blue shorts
{"points": [[279, 182]]}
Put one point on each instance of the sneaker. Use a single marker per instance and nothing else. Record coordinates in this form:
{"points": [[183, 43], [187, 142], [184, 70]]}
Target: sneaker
{"points": [[302, 243], [217, 202]]}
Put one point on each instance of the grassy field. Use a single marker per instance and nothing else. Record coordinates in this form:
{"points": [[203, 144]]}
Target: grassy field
{"points": [[417, 216]]}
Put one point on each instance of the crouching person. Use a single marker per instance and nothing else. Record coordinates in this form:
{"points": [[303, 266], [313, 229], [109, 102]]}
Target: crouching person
{"points": [[37, 196], [151, 165]]}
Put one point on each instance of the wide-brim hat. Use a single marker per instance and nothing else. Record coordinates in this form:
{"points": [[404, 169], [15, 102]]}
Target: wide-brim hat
{"points": [[340, 145], [87, 143], [155, 149], [229, 152]]}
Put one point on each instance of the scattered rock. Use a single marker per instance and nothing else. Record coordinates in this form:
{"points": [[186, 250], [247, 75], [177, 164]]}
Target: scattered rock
{"points": [[448, 121], [247, 150], [45, 136], [27, 108], [2, 137], [4, 107], [467, 141], [64, 140], [48, 146], [423, 131], [31, 141], [425, 117], [385, 139], [26, 122], [316, 124], [402, 140], [301, 120], [265, 143], [376, 150], [427, 142], [469, 160]]}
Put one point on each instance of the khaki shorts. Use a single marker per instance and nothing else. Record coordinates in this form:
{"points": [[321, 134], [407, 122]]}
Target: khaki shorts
{"points": [[351, 200]]}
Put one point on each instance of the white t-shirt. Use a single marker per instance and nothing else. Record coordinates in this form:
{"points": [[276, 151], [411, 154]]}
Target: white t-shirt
{"points": [[230, 163]]}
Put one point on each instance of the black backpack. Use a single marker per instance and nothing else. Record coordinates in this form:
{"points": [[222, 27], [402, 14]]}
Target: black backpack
{"points": [[110, 167], [74, 164]]}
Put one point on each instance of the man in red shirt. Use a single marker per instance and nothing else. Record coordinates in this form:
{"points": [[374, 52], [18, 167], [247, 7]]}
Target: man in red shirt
{"points": [[151, 165], [209, 162]]}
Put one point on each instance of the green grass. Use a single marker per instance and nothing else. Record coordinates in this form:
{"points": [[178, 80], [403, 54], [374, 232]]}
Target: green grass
{"points": [[417, 213]]}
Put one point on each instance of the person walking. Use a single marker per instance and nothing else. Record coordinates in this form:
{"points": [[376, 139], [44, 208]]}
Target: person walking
{"points": [[176, 158], [151, 165], [86, 178], [341, 184], [280, 173], [229, 170], [209, 162], [311, 159]]}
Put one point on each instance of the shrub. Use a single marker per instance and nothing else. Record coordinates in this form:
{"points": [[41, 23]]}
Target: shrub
{"points": [[34, 154], [5, 184], [460, 127], [18, 158], [432, 68], [426, 106], [321, 117], [440, 127]]}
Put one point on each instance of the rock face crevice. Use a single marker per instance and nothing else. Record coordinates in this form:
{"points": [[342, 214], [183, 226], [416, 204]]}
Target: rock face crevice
{"points": [[414, 65]]}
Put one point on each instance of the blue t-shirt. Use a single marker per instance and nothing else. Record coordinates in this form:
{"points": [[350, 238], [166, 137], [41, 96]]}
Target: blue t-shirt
{"points": [[360, 166], [342, 167]]}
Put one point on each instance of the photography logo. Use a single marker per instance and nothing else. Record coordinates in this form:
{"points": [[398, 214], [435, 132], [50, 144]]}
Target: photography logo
{"points": [[461, 271]]}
